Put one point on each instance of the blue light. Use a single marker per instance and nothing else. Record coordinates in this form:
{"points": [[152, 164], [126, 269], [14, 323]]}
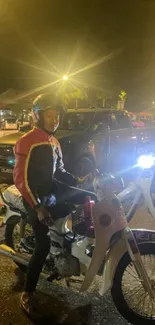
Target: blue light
{"points": [[11, 161], [36, 109]]}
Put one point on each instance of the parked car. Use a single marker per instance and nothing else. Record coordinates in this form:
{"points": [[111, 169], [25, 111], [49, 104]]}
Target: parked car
{"points": [[103, 139], [22, 123], [9, 123]]}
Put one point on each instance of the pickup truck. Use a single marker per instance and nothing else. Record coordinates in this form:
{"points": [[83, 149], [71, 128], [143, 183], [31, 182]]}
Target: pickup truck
{"points": [[90, 138]]}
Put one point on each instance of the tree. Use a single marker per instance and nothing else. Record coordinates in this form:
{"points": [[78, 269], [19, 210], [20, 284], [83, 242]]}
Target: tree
{"points": [[101, 98], [123, 95], [122, 99], [71, 93]]}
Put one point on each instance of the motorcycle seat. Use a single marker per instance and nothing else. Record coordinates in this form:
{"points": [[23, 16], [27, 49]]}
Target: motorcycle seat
{"points": [[73, 195]]}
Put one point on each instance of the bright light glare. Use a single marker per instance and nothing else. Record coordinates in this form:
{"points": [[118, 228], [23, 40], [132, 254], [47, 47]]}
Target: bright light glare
{"points": [[11, 161], [65, 77], [146, 161]]}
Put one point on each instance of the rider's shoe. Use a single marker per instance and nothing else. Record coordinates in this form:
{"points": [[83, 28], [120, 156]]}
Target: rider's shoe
{"points": [[30, 306]]}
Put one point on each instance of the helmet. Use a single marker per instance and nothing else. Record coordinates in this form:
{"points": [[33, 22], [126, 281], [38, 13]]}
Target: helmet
{"points": [[43, 103]]}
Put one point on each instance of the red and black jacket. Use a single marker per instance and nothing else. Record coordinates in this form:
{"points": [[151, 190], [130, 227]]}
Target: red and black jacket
{"points": [[38, 159]]}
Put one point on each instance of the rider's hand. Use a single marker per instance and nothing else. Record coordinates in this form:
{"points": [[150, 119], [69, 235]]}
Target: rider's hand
{"points": [[44, 216], [88, 178]]}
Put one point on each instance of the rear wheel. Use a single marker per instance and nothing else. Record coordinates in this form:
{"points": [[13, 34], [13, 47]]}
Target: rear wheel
{"points": [[130, 298], [13, 235], [12, 231]]}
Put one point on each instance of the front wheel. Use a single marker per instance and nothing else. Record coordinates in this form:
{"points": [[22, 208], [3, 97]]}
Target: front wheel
{"points": [[130, 298]]}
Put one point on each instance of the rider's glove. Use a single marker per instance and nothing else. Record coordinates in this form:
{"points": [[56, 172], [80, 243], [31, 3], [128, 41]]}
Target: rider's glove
{"points": [[88, 178], [44, 216], [84, 179]]}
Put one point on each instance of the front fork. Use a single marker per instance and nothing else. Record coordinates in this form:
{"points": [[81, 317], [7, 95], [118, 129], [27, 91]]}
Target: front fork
{"points": [[136, 259]]}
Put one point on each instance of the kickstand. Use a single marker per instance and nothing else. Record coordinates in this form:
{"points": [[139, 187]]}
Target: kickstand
{"points": [[67, 281]]}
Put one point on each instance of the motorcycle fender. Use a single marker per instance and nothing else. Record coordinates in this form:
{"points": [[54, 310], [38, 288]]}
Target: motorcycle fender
{"points": [[112, 260], [9, 214], [106, 224], [117, 251]]}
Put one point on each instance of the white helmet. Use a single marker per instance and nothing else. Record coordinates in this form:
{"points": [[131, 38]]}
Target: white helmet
{"points": [[43, 103]]}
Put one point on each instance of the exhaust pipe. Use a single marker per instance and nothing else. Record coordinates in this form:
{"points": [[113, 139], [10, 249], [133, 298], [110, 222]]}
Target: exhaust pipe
{"points": [[10, 253], [16, 257]]}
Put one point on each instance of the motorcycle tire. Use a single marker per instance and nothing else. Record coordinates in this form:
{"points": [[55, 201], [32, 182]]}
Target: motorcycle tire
{"points": [[10, 225], [117, 293]]}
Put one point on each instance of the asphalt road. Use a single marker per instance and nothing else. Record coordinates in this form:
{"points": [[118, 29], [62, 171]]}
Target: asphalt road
{"points": [[60, 305]]}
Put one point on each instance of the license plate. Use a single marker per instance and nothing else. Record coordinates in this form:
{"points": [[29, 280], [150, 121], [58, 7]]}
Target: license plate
{"points": [[11, 126], [6, 170]]}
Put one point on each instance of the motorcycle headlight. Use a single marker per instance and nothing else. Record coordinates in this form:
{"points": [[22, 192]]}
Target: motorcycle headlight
{"points": [[146, 161]]}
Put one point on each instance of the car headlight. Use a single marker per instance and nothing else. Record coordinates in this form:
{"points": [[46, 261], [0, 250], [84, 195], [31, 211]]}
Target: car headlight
{"points": [[146, 161]]}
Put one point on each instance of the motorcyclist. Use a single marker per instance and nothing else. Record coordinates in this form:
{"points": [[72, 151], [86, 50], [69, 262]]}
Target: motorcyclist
{"points": [[38, 162]]}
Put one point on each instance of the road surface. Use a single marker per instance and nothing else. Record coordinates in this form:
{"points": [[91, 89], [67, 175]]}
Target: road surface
{"points": [[59, 304]]}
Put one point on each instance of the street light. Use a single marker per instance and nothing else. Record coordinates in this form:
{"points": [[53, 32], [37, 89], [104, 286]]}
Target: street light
{"points": [[65, 77]]}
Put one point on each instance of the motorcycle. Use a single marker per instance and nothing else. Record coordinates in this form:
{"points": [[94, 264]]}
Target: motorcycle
{"points": [[99, 243]]}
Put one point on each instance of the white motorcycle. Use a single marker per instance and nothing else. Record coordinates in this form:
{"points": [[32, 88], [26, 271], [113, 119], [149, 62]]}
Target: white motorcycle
{"points": [[142, 190], [100, 243]]}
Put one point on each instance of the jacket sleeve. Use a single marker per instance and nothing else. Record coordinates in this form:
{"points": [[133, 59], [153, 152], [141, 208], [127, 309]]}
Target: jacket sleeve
{"points": [[20, 174], [61, 174]]}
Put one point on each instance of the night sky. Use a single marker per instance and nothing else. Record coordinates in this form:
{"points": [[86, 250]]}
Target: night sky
{"points": [[72, 34]]}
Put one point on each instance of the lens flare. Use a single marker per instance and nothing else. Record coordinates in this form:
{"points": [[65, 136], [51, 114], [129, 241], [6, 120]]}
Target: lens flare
{"points": [[146, 161], [65, 77]]}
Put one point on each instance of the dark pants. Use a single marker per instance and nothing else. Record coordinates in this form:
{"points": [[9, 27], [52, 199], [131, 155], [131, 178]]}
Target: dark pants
{"points": [[42, 247], [42, 240]]}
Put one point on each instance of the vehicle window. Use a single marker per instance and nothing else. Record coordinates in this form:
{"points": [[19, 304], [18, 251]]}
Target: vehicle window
{"points": [[123, 121], [105, 118], [10, 120], [77, 121]]}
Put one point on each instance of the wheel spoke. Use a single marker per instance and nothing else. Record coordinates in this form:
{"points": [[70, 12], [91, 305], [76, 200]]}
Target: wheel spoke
{"points": [[136, 278], [143, 296], [135, 295], [132, 268], [148, 307]]}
